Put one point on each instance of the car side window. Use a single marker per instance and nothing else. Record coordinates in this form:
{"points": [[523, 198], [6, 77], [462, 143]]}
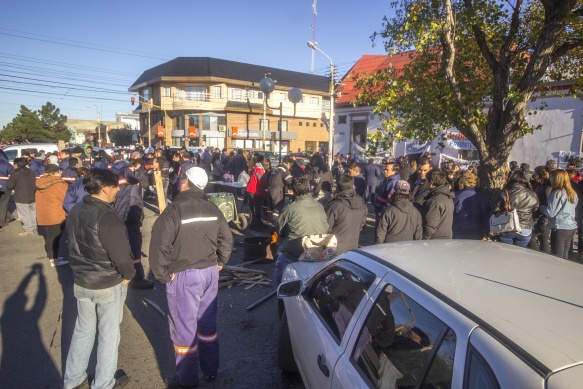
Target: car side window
{"points": [[402, 343], [478, 373], [337, 292]]}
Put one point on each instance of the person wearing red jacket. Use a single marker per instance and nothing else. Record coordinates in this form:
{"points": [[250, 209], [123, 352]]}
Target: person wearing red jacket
{"points": [[254, 198]]}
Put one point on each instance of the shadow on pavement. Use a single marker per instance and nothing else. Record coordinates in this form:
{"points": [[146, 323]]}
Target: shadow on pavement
{"points": [[25, 361], [154, 325], [68, 313]]}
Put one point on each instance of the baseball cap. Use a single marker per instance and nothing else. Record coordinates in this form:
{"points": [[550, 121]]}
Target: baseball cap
{"points": [[198, 177], [402, 187], [552, 164], [52, 168], [287, 159]]}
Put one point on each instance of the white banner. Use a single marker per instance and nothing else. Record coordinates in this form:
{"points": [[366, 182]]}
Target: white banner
{"points": [[457, 140], [417, 147], [461, 162]]}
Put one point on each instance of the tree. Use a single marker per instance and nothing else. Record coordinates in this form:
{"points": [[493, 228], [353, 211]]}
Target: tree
{"points": [[44, 125], [476, 65], [54, 124]]}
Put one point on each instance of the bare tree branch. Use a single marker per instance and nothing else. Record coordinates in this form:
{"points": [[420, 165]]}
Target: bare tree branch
{"points": [[512, 31], [448, 62], [481, 38], [565, 48]]}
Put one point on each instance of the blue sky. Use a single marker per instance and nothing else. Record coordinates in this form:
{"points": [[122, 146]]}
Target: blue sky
{"points": [[79, 55]]}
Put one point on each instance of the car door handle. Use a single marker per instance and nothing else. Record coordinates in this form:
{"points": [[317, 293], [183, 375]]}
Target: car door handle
{"points": [[322, 366]]}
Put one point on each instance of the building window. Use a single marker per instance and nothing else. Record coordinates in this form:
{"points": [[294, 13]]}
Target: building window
{"points": [[146, 94], [300, 124], [342, 119], [217, 92], [314, 124], [283, 125], [314, 101], [325, 105], [166, 91], [194, 93], [321, 124], [177, 94], [260, 95], [263, 125], [180, 122], [280, 97], [193, 121], [236, 94]]}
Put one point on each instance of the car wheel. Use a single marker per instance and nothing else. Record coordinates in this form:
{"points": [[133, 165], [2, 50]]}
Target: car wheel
{"points": [[284, 347]]}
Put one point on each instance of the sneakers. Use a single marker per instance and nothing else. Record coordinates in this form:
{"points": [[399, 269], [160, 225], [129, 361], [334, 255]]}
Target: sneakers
{"points": [[171, 383], [26, 233], [57, 262], [141, 283]]}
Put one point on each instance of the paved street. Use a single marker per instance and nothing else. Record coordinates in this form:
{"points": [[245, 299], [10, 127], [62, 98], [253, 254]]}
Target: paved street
{"points": [[39, 310]]}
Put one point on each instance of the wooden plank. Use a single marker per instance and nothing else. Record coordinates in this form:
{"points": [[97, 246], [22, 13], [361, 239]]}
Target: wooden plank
{"points": [[243, 270], [160, 191]]}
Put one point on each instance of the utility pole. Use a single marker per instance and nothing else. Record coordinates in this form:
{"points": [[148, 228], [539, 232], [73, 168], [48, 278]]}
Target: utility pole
{"points": [[314, 33]]}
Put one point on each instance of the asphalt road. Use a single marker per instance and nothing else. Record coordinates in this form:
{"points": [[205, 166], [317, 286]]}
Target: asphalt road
{"points": [[39, 310]]}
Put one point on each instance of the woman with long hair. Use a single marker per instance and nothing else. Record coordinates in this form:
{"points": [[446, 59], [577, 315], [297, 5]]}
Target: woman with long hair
{"points": [[525, 201], [471, 208], [561, 213]]}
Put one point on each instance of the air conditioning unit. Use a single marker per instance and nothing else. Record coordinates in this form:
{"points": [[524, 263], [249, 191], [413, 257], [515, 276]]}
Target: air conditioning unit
{"points": [[222, 128]]}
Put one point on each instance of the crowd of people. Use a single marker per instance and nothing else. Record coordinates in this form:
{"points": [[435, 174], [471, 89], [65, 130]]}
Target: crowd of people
{"points": [[89, 208]]}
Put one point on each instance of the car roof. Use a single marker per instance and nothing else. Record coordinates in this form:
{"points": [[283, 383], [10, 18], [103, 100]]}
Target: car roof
{"points": [[532, 302]]}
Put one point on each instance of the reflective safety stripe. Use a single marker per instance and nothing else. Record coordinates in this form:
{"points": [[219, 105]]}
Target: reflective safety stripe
{"points": [[182, 350], [4, 178], [137, 261], [199, 219], [207, 338], [68, 178], [122, 181]]}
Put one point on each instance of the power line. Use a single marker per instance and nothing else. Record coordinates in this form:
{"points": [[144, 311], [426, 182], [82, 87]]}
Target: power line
{"points": [[61, 83], [81, 45]]}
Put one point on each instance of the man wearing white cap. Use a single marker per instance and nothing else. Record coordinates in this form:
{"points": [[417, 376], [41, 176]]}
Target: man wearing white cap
{"points": [[191, 241]]}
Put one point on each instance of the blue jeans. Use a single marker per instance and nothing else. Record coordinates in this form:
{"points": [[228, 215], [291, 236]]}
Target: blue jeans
{"points": [[280, 265], [99, 310], [515, 239]]}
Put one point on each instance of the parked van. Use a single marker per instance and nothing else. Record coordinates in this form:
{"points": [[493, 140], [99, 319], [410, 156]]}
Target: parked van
{"points": [[15, 151]]}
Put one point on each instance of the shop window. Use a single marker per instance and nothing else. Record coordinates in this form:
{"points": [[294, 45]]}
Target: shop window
{"points": [[342, 119]]}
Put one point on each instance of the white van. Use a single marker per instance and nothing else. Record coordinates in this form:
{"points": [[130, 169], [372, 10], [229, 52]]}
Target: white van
{"points": [[15, 151]]}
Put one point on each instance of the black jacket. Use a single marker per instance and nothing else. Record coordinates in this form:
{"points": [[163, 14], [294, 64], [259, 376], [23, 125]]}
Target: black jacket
{"points": [[420, 191], [23, 182], [524, 200], [99, 249], [346, 214], [191, 233], [400, 222], [278, 179], [437, 213]]}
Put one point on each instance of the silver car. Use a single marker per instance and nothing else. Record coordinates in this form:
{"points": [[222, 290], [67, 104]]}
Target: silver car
{"points": [[434, 314]]}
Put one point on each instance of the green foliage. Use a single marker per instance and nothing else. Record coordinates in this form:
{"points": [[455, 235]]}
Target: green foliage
{"points": [[474, 65], [44, 125]]}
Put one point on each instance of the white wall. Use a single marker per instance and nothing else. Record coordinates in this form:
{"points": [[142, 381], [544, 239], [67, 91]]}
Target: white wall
{"points": [[562, 124]]}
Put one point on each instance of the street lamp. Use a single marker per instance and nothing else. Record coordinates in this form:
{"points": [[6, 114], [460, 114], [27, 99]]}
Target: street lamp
{"points": [[267, 85], [313, 46]]}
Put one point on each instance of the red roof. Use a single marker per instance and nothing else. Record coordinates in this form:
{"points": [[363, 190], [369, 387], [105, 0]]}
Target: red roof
{"points": [[369, 63]]}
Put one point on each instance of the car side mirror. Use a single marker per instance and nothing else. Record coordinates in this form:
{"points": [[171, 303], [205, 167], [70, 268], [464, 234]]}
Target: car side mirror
{"points": [[290, 289]]}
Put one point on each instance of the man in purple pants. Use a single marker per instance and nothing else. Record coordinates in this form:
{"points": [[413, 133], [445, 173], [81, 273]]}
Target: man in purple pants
{"points": [[191, 241]]}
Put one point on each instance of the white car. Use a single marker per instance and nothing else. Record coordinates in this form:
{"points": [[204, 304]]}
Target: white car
{"points": [[434, 314]]}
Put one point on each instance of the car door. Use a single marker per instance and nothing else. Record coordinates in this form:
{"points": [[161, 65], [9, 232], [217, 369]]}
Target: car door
{"points": [[321, 321]]}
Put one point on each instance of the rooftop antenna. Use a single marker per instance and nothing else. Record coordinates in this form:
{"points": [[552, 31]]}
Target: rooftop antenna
{"points": [[314, 33]]}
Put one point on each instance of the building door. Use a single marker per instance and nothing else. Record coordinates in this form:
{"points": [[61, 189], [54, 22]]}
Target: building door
{"points": [[359, 133]]}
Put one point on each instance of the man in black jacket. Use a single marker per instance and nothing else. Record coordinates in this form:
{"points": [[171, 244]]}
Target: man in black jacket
{"points": [[346, 214], [191, 241], [371, 175], [279, 179], [101, 260], [437, 211], [418, 182], [23, 183]]}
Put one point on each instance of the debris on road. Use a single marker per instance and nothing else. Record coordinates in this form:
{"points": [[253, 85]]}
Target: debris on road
{"points": [[155, 306], [233, 275]]}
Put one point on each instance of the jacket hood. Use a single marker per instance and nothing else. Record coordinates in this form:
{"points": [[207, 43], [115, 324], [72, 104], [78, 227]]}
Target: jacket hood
{"points": [[443, 189], [119, 167], [350, 199], [404, 205], [44, 183]]}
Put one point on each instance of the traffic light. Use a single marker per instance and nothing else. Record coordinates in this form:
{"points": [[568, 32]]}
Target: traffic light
{"points": [[274, 136], [133, 100]]}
